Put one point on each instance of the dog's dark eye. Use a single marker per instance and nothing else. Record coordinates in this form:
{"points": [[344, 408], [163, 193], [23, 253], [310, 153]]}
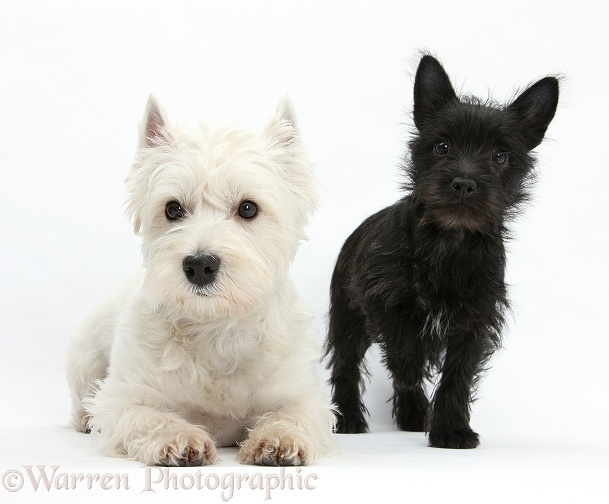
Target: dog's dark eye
{"points": [[442, 148], [174, 211], [248, 210], [499, 158]]}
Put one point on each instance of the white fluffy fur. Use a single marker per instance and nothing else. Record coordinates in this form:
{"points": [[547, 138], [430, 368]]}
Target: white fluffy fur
{"points": [[163, 372]]}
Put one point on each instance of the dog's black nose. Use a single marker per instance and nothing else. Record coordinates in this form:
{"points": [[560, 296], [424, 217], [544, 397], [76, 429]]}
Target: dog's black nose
{"points": [[201, 269], [464, 187]]}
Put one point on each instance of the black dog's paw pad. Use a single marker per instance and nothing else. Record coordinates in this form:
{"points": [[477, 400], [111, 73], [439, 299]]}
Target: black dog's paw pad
{"points": [[410, 410], [351, 425], [412, 424], [455, 439]]}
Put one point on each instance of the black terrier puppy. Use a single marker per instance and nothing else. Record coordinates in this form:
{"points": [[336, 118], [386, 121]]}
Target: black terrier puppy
{"points": [[425, 277]]}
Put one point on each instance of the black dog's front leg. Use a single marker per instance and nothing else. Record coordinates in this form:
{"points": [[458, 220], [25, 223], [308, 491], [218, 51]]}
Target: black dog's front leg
{"points": [[450, 414], [405, 356]]}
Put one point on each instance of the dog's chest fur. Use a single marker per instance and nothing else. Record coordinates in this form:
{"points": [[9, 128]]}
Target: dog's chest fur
{"points": [[217, 350], [442, 281], [213, 366], [214, 369], [456, 278]]}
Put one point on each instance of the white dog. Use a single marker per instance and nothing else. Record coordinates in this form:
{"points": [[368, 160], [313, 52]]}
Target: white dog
{"points": [[209, 345]]}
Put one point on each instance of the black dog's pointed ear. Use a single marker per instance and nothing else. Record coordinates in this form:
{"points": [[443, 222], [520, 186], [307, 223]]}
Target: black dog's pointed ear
{"points": [[432, 90], [534, 109]]}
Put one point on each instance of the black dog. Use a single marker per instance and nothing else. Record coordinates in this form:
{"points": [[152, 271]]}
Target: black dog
{"points": [[425, 277]]}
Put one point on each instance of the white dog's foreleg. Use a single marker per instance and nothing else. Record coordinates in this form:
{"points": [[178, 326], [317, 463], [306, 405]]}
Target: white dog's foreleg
{"points": [[152, 435], [295, 434]]}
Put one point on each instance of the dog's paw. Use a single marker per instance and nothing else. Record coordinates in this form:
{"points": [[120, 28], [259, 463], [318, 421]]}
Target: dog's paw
{"points": [[458, 439], [190, 456], [350, 425], [81, 421], [281, 450], [410, 410], [190, 447], [411, 423]]}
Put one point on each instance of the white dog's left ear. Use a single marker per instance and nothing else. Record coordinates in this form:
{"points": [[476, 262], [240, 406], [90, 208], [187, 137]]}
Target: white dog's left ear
{"points": [[153, 126], [282, 136], [282, 130]]}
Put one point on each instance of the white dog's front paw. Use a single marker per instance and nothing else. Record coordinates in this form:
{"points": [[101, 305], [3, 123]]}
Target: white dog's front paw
{"points": [[274, 449], [166, 447]]}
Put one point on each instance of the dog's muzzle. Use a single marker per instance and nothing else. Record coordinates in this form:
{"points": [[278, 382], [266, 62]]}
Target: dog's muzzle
{"points": [[202, 269]]}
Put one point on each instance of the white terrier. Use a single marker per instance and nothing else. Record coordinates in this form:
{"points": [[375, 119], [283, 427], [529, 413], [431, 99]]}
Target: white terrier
{"points": [[209, 345]]}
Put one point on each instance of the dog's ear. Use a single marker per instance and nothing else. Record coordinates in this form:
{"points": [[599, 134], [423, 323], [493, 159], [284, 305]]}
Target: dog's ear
{"points": [[534, 109], [153, 126], [282, 130], [432, 90], [282, 138], [152, 132]]}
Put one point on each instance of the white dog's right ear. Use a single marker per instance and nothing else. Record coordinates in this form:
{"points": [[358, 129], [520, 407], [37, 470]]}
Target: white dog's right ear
{"points": [[152, 133], [153, 126]]}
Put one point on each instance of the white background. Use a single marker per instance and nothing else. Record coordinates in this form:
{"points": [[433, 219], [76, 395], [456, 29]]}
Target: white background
{"points": [[74, 78]]}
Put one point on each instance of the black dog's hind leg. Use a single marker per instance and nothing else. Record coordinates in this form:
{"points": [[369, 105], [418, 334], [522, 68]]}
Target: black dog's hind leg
{"points": [[406, 360], [449, 421], [347, 344]]}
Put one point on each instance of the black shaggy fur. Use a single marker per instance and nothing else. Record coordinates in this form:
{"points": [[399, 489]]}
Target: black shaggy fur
{"points": [[425, 277]]}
